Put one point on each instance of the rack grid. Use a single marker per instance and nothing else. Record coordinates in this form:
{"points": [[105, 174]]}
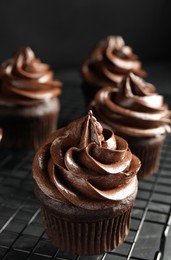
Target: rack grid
{"points": [[21, 232]]}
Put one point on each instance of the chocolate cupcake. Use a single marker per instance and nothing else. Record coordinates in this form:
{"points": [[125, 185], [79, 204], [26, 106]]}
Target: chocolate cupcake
{"points": [[108, 64], [29, 105], [137, 113], [85, 179]]}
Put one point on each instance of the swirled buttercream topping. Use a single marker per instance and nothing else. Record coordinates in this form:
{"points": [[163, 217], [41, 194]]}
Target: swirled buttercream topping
{"points": [[110, 62], [26, 81], [135, 109], [86, 165]]}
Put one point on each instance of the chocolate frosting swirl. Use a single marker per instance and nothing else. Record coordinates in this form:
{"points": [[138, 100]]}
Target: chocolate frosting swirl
{"points": [[86, 165], [135, 109], [27, 81], [110, 62]]}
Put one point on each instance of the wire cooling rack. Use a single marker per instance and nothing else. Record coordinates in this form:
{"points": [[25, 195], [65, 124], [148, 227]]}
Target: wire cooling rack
{"points": [[21, 232]]}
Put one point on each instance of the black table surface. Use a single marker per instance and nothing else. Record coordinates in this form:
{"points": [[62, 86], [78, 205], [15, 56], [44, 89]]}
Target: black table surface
{"points": [[21, 232]]}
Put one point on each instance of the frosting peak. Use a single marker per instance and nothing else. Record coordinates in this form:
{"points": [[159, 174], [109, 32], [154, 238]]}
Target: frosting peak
{"points": [[92, 131], [28, 66], [135, 109], [86, 165], [110, 62], [26, 81], [135, 91]]}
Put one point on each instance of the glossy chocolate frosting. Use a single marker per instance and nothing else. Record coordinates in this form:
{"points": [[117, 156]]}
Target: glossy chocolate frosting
{"points": [[86, 166], [135, 109], [26, 81], [110, 62]]}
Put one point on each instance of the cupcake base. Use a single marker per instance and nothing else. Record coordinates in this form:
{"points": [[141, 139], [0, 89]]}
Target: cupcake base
{"points": [[85, 232], [86, 238], [27, 127], [148, 151]]}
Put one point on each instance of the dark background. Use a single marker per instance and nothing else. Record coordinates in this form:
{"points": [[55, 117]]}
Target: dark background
{"points": [[62, 32]]}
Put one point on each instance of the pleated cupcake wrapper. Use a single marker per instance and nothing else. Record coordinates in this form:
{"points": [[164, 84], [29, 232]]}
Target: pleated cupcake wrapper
{"points": [[28, 133], [86, 238], [149, 156]]}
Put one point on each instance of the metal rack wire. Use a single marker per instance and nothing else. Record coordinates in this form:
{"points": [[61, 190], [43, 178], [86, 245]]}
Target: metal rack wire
{"points": [[21, 232]]}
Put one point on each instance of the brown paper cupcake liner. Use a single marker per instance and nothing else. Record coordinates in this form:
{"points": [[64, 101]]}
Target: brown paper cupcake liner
{"points": [[86, 238], [27, 133], [149, 155]]}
